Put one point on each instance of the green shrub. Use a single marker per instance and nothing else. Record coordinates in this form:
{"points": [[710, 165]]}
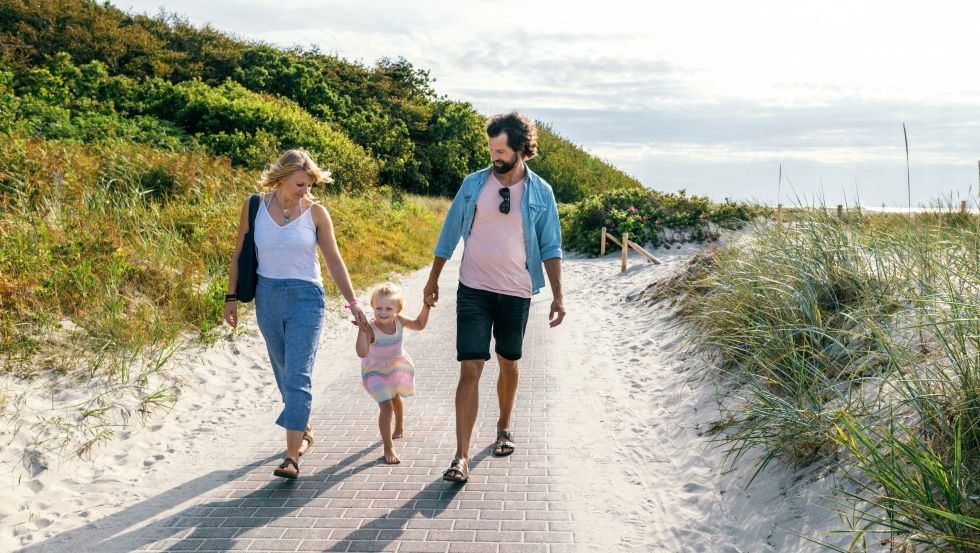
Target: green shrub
{"points": [[647, 215]]}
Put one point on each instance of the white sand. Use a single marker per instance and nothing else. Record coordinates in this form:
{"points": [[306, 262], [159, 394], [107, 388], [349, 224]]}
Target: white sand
{"points": [[648, 479]]}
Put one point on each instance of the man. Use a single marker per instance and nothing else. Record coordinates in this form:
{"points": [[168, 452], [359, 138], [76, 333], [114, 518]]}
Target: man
{"points": [[508, 219]]}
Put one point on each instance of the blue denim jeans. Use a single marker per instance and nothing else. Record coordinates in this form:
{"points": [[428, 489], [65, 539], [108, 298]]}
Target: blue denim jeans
{"points": [[290, 317]]}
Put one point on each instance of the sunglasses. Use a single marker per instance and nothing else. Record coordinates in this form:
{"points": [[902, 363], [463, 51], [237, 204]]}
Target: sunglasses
{"points": [[505, 203]]}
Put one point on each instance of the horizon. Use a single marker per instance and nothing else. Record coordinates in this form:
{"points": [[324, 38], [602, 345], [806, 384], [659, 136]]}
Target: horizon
{"points": [[759, 102]]}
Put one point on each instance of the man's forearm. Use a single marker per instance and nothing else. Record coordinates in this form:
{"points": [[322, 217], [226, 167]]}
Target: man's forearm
{"points": [[437, 264], [553, 268]]}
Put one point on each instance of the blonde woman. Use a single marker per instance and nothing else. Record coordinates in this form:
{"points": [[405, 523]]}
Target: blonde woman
{"points": [[289, 297]]}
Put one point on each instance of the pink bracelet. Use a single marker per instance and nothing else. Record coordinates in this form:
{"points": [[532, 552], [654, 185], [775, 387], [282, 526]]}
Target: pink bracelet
{"points": [[352, 303]]}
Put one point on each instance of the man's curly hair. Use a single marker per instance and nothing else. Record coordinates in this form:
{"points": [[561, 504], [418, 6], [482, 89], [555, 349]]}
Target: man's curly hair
{"points": [[522, 136]]}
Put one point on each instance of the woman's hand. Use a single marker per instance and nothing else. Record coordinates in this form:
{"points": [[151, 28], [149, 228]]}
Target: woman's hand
{"points": [[359, 318], [231, 313]]}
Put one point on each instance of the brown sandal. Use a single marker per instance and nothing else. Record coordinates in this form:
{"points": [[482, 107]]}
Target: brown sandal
{"points": [[308, 438], [458, 471], [506, 447], [283, 472]]}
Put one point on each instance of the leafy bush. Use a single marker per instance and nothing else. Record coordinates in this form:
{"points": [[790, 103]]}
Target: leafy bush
{"points": [[646, 215]]}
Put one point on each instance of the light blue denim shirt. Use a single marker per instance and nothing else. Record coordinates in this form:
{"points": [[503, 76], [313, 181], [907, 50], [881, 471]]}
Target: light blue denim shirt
{"points": [[542, 233]]}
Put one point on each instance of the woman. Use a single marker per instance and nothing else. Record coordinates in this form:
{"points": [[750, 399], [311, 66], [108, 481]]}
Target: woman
{"points": [[289, 298]]}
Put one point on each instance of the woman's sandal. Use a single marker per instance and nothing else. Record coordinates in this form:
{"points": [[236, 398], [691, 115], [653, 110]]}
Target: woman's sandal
{"points": [[506, 447], [308, 438], [458, 471], [283, 472]]}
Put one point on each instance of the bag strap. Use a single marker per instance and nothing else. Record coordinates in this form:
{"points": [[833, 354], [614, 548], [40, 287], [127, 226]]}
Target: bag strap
{"points": [[253, 209]]}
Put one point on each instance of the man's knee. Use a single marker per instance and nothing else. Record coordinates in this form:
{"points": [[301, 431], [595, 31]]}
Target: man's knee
{"points": [[470, 371], [508, 366]]}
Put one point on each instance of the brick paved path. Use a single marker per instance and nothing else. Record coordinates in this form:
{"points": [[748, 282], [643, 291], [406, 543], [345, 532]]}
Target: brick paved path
{"points": [[347, 499]]}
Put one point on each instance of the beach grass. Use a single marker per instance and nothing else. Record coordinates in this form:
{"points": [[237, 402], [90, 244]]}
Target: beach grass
{"points": [[856, 342]]}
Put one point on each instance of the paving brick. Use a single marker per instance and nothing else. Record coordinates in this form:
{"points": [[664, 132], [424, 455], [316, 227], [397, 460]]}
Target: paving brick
{"points": [[457, 547], [274, 545], [523, 548], [422, 547]]}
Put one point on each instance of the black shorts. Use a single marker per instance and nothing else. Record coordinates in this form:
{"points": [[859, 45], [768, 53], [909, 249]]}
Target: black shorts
{"points": [[478, 312]]}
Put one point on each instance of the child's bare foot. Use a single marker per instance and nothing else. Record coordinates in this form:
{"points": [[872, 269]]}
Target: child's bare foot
{"points": [[391, 458]]}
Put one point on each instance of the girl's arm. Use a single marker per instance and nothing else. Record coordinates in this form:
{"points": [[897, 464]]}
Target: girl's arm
{"points": [[419, 322], [335, 264], [365, 336]]}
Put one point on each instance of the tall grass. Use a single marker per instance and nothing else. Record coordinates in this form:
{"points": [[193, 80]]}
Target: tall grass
{"points": [[858, 341]]}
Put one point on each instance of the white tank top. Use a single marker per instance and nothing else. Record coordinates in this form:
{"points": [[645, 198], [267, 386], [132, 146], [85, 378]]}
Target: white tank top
{"points": [[288, 251]]}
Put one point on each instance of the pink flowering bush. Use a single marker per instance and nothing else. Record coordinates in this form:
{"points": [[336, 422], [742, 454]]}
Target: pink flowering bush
{"points": [[645, 215]]}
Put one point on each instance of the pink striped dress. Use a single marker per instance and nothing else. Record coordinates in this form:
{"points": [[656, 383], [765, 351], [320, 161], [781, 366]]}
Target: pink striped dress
{"points": [[387, 370]]}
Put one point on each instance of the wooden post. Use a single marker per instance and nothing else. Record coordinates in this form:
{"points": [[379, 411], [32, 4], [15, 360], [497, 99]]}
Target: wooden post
{"points": [[602, 245], [840, 211], [779, 214], [639, 249], [963, 206], [626, 240]]}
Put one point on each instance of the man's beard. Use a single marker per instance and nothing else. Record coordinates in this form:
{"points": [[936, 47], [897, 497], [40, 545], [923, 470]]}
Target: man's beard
{"points": [[504, 167]]}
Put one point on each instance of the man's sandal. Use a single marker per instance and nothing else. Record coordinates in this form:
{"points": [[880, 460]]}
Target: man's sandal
{"points": [[458, 471], [506, 447], [284, 472]]}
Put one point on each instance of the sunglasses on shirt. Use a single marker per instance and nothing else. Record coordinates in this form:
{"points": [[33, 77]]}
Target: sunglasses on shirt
{"points": [[505, 203]]}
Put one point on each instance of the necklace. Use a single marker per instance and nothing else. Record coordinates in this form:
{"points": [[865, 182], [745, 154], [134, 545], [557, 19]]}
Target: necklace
{"points": [[285, 211]]}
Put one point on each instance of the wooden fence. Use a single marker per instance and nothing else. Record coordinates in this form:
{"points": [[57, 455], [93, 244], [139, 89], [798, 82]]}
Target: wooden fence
{"points": [[625, 245], [840, 211]]}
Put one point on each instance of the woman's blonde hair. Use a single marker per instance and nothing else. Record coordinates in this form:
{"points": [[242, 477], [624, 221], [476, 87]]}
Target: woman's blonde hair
{"points": [[390, 290], [289, 162]]}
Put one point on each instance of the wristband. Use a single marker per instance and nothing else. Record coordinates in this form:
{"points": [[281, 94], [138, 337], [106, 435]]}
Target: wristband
{"points": [[351, 303], [231, 297]]}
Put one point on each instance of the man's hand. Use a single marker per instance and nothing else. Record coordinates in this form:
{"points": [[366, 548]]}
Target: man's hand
{"points": [[557, 313], [430, 294]]}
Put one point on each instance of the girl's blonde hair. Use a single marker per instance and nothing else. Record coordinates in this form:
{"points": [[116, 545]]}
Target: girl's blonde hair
{"points": [[390, 290], [290, 161]]}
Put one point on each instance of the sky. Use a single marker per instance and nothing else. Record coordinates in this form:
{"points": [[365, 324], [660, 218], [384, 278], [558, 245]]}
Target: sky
{"points": [[769, 101]]}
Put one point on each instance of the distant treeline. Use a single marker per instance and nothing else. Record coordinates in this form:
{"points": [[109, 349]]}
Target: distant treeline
{"points": [[81, 70]]}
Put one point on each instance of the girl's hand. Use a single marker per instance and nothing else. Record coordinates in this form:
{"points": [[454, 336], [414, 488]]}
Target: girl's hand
{"points": [[231, 313]]}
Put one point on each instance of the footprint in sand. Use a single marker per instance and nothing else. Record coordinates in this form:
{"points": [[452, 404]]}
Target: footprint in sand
{"points": [[671, 344]]}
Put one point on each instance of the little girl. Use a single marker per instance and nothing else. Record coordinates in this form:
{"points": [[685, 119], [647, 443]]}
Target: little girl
{"points": [[386, 369]]}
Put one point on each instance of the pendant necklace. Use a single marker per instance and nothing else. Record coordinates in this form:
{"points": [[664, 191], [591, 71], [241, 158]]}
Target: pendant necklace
{"points": [[285, 212]]}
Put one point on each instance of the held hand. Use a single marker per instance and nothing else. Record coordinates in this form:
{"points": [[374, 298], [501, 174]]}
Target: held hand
{"points": [[431, 294], [556, 314], [359, 318], [231, 313]]}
